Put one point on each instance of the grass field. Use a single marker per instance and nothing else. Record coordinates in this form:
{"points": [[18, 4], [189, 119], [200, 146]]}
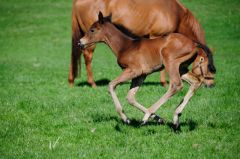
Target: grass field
{"points": [[42, 117]]}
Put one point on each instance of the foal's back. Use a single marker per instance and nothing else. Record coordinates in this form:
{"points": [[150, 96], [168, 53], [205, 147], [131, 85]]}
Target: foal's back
{"points": [[151, 54]]}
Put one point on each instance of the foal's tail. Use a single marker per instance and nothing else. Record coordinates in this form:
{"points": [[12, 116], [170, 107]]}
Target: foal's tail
{"points": [[208, 52], [76, 50]]}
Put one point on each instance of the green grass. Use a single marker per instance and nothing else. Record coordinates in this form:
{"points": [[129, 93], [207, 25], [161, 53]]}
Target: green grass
{"points": [[42, 117]]}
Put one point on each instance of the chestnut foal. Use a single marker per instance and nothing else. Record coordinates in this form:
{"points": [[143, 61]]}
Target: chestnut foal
{"points": [[139, 58]]}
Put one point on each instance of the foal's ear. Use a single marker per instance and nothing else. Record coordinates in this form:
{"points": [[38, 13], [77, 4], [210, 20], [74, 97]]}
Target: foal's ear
{"points": [[108, 18], [100, 18]]}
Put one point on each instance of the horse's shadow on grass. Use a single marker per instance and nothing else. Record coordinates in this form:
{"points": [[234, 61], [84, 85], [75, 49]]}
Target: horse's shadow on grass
{"points": [[190, 124], [99, 83], [105, 82]]}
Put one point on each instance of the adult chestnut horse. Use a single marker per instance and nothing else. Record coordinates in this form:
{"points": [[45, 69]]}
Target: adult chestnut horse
{"points": [[149, 18]]}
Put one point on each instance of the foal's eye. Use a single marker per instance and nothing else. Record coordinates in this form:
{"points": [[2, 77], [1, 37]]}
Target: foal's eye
{"points": [[92, 30]]}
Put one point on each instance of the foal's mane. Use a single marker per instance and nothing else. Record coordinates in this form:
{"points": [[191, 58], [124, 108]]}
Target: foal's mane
{"points": [[211, 66]]}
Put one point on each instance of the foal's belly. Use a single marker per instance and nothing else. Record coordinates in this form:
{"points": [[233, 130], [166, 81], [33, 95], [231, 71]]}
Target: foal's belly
{"points": [[150, 61]]}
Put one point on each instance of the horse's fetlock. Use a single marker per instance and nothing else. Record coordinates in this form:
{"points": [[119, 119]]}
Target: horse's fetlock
{"points": [[110, 87]]}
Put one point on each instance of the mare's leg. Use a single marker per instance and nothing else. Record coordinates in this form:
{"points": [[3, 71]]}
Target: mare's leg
{"points": [[195, 83], [126, 75], [136, 83], [174, 86], [163, 80], [88, 55], [75, 58]]}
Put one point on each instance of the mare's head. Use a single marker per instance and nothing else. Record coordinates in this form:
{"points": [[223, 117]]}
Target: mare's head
{"points": [[204, 68], [96, 33]]}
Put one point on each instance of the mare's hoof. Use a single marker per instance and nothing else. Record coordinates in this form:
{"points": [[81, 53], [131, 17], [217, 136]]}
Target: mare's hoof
{"points": [[93, 85], [164, 84], [71, 83]]}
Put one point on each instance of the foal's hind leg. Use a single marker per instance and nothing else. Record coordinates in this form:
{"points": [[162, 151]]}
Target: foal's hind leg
{"points": [[195, 83], [135, 85], [126, 75]]}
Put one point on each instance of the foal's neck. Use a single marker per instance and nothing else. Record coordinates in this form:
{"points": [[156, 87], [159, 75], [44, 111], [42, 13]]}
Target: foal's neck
{"points": [[116, 40]]}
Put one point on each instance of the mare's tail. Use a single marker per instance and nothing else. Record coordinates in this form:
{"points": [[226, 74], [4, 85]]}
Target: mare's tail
{"points": [[76, 50], [208, 52]]}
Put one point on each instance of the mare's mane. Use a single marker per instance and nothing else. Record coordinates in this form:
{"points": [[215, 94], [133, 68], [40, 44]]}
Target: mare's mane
{"points": [[123, 29]]}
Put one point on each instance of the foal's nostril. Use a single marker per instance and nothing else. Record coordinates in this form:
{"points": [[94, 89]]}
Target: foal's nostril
{"points": [[80, 44]]}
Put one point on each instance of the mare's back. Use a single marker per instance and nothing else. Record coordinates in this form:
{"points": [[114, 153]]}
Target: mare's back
{"points": [[141, 17]]}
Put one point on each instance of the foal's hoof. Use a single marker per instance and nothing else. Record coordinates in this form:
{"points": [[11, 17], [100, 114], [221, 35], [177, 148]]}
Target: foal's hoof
{"points": [[176, 128], [143, 123], [158, 119], [127, 122]]}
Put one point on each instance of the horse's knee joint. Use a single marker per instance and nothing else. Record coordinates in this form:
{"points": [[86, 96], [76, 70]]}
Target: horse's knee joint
{"points": [[130, 100], [88, 58], [197, 84], [176, 87]]}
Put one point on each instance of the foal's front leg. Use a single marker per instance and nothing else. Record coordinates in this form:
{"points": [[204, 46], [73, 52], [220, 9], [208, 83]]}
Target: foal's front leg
{"points": [[174, 86], [126, 75], [195, 83]]}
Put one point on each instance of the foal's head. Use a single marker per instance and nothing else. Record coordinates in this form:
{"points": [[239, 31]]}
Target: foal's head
{"points": [[204, 68], [95, 33]]}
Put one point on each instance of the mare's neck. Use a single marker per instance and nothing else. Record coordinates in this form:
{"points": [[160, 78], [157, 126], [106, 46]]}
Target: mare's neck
{"points": [[116, 40]]}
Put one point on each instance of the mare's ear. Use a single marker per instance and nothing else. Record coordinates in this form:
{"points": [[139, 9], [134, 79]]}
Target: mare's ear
{"points": [[100, 18]]}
